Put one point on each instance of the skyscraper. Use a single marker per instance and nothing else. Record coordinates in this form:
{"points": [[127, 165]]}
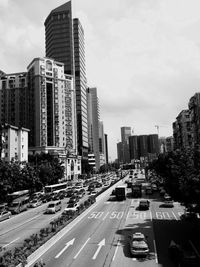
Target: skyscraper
{"points": [[93, 124], [59, 36], [81, 94], [64, 38], [125, 133]]}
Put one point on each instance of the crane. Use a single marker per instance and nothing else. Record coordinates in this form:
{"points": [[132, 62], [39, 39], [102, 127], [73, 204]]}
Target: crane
{"points": [[158, 128]]}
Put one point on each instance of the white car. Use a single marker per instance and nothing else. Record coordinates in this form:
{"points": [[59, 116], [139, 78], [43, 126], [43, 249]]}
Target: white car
{"points": [[35, 203], [5, 215], [71, 207], [138, 245]]}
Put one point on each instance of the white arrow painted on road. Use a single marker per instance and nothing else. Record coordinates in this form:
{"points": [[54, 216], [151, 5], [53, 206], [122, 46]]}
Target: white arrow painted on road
{"points": [[70, 243], [100, 245]]}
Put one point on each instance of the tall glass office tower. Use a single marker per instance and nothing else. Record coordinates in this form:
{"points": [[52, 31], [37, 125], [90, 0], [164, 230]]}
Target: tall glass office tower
{"points": [[64, 38]]}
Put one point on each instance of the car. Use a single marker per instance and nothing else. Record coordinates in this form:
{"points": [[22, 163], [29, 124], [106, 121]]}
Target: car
{"points": [[138, 244], [168, 202], [154, 187], [93, 193], [144, 204], [189, 216], [53, 207], [71, 207], [3, 207], [35, 203], [5, 214], [162, 192]]}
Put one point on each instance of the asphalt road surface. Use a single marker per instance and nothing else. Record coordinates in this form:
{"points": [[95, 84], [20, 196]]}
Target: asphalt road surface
{"points": [[101, 237]]}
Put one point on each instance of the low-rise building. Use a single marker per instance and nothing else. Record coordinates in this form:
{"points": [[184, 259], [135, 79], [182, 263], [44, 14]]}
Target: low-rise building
{"points": [[14, 143]]}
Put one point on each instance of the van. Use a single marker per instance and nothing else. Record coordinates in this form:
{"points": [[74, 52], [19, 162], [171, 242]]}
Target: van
{"points": [[53, 207]]}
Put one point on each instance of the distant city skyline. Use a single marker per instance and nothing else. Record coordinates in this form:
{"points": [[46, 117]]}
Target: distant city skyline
{"points": [[143, 56]]}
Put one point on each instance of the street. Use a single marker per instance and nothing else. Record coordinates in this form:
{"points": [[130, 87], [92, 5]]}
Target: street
{"points": [[101, 237]]}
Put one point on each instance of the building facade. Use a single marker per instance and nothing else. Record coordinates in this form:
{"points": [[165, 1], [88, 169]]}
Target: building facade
{"points": [[93, 124], [81, 91], [52, 120], [134, 147], [182, 130], [14, 143], [170, 143], [14, 99], [194, 111], [64, 39], [125, 133], [59, 36]]}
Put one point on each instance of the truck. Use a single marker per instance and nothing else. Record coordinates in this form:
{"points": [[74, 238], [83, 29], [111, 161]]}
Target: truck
{"points": [[120, 192], [137, 190]]}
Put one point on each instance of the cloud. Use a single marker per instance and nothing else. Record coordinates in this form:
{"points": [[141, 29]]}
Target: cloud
{"points": [[142, 55]]}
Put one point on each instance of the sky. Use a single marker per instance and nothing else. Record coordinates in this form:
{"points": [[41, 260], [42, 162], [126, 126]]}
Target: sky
{"points": [[143, 56]]}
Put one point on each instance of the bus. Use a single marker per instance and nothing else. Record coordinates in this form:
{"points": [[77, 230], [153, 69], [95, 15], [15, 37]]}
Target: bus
{"points": [[48, 189], [18, 201]]}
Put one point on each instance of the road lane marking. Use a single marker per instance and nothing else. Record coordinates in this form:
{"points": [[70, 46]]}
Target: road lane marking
{"points": [[175, 216], [18, 226], [194, 248], [81, 248], [70, 243], [105, 216], [150, 216], [10, 243], [100, 245], [115, 253], [156, 257], [127, 215]]}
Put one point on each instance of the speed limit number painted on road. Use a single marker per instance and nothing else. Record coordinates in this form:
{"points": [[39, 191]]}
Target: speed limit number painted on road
{"points": [[137, 215], [109, 215]]}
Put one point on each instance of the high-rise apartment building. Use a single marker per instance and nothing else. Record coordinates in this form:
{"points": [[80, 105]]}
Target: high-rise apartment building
{"points": [[182, 130], [153, 144], [134, 147], [93, 124], [194, 110], [14, 99], [125, 133], [64, 38], [51, 107]]}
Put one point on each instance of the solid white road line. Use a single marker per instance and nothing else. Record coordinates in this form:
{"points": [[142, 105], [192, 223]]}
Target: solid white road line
{"points": [[81, 248], [150, 216], [127, 216], [105, 216], [175, 216], [194, 248], [156, 257], [10, 243], [115, 253]]}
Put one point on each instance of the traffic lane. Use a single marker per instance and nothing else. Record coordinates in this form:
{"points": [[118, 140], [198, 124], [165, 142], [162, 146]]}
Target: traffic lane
{"points": [[136, 221], [23, 225], [18, 219], [26, 224], [167, 226], [101, 223]]}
